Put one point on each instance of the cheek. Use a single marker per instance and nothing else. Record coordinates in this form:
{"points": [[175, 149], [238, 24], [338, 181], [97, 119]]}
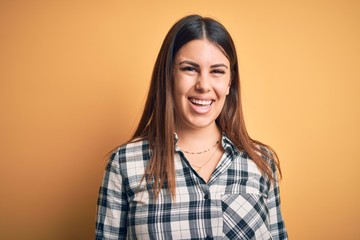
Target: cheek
{"points": [[223, 88], [182, 85], [225, 85], [179, 90]]}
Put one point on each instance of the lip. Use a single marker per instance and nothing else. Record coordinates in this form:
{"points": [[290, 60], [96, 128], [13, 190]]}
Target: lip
{"points": [[200, 105]]}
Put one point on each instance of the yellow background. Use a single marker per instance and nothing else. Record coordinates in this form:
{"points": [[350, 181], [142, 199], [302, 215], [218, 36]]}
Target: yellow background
{"points": [[73, 79]]}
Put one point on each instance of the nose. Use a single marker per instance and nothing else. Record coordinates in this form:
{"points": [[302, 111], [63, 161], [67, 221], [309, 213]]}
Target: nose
{"points": [[203, 83]]}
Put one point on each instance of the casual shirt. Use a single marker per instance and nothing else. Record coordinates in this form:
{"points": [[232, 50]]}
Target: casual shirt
{"points": [[237, 202]]}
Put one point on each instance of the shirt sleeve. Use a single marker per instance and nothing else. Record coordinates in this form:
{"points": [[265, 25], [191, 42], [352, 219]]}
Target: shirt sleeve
{"points": [[112, 205], [276, 223]]}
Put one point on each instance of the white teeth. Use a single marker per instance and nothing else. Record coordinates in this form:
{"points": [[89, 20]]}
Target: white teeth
{"points": [[201, 102]]}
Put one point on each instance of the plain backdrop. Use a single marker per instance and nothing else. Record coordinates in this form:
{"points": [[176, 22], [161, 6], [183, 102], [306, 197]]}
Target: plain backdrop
{"points": [[73, 80]]}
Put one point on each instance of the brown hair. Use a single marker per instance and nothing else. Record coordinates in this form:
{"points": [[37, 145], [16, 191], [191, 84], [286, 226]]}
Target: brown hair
{"points": [[157, 122]]}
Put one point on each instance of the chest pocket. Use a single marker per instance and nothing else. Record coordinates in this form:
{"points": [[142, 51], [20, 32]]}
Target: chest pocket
{"points": [[245, 216]]}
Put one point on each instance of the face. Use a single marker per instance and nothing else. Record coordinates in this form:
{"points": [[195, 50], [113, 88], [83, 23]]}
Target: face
{"points": [[201, 84]]}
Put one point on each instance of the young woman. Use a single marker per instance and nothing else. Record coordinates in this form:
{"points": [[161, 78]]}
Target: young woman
{"points": [[191, 171]]}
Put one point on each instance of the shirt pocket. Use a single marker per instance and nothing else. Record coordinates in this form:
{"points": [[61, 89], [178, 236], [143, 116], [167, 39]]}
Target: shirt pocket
{"points": [[245, 216]]}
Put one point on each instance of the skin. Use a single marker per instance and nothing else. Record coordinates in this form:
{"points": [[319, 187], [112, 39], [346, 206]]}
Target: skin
{"points": [[201, 84], [202, 72]]}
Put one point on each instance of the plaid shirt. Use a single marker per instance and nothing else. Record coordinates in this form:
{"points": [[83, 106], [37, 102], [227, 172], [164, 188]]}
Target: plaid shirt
{"points": [[236, 203]]}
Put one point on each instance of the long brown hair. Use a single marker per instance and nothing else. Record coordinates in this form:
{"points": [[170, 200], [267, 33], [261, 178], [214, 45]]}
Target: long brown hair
{"points": [[157, 122]]}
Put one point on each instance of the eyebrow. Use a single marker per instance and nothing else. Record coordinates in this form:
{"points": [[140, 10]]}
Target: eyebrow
{"points": [[218, 65], [197, 65]]}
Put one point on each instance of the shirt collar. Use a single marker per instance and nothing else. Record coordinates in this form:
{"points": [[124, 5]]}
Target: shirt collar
{"points": [[228, 145]]}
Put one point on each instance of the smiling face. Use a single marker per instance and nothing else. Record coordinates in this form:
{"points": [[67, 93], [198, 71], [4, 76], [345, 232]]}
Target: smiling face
{"points": [[201, 84]]}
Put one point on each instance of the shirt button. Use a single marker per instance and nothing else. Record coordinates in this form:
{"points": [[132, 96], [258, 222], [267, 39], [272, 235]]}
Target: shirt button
{"points": [[206, 196]]}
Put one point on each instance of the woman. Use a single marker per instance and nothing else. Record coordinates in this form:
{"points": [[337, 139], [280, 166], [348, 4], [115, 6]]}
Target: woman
{"points": [[191, 171]]}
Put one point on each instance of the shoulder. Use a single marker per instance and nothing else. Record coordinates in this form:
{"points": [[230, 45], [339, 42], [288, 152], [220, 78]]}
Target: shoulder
{"points": [[269, 155], [271, 159], [131, 151], [263, 161], [132, 155]]}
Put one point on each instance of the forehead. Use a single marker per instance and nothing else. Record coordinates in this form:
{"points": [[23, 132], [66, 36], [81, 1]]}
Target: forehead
{"points": [[202, 51]]}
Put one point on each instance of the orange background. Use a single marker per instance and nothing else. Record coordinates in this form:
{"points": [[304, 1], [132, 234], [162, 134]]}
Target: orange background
{"points": [[73, 79]]}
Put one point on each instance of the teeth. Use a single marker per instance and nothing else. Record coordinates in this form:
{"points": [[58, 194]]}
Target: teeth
{"points": [[201, 102]]}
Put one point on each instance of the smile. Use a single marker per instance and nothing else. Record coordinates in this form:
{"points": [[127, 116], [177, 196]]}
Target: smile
{"points": [[198, 102]]}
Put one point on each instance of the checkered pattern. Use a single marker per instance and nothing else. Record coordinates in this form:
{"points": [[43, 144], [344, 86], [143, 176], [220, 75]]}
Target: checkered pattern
{"points": [[236, 203]]}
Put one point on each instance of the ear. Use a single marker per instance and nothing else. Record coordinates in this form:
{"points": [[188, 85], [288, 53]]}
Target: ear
{"points": [[228, 89], [229, 86]]}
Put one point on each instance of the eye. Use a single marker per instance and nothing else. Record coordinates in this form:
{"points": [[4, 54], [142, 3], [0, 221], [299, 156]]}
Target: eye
{"points": [[218, 71], [188, 69]]}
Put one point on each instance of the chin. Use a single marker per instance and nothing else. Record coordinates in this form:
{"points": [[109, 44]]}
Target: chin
{"points": [[200, 124]]}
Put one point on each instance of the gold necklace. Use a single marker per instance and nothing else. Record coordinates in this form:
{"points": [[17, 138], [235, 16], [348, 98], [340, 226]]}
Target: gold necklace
{"points": [[198, 170], [201, 152]]}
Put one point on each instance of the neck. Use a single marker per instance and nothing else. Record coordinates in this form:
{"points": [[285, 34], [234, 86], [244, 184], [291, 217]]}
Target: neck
{"points": [[198, 139]]}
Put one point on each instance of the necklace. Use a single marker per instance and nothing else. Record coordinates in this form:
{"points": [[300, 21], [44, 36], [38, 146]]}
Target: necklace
{"points": [[198, 168], [204, 150]]}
